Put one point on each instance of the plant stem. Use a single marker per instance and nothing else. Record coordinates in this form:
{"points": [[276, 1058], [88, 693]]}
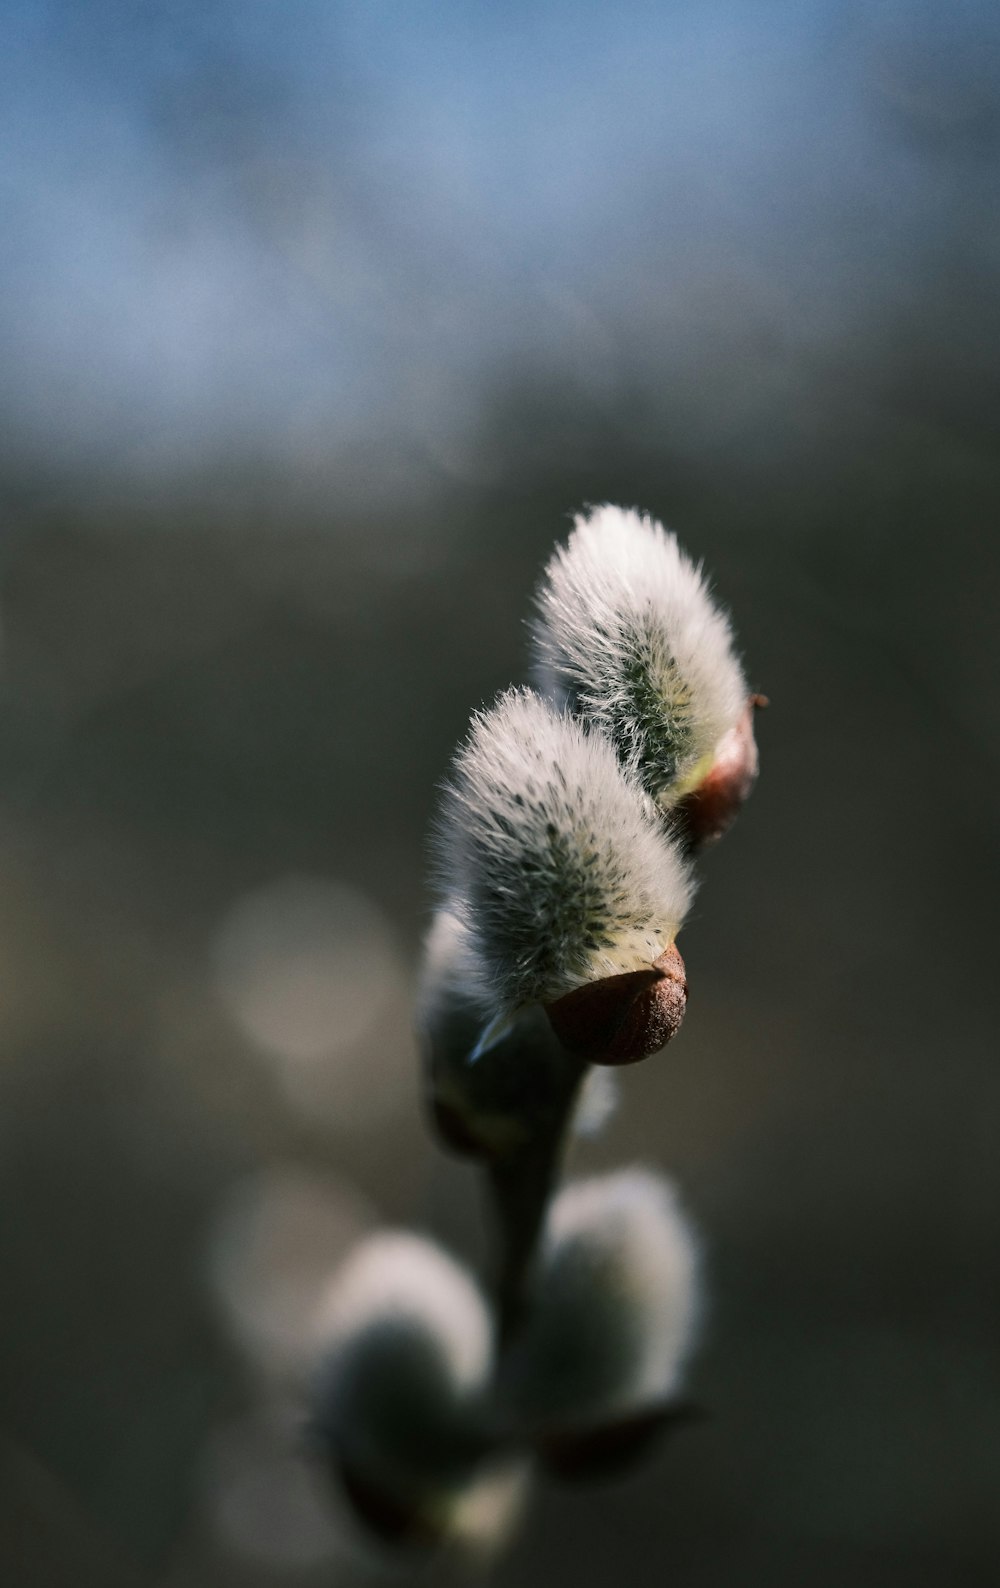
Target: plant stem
{"points": [[521, 1183]]}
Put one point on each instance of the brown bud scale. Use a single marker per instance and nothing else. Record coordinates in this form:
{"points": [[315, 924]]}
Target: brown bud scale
{"points": [[706, 813], [622, 1019]]}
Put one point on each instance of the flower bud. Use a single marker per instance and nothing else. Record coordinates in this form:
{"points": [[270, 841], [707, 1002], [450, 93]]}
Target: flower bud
{"points": [[489, 1085], [610, 1319], [629, 639], [560, 873], [401, 1392]]}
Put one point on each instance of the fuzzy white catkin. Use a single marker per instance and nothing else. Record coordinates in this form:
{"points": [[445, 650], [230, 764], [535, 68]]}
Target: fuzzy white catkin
{"points": [[404, 1278], [404, 1362], [615, 1301], [525, 1055], [558, 868], [456, 1003], [629, 638]]}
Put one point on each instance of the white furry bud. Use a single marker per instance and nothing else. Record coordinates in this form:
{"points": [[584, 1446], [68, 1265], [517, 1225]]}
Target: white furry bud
{"points": [[488, 1094], [629, 639], [407, 1354], [559, 870], [613, 1307]]}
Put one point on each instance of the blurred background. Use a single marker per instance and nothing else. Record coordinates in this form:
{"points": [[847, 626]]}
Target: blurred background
{"points": [[316, 322]]}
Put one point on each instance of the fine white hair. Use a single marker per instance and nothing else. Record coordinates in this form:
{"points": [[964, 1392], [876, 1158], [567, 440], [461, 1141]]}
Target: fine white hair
{"points": [[404, 1358], [558, 868], [629, 638], [450, 976], [625, 1232], [615, 1301], [396, 1278]]}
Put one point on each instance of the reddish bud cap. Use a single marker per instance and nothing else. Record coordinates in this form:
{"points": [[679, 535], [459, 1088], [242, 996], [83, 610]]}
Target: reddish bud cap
{"points": [[711, 808], [621, 1019]]}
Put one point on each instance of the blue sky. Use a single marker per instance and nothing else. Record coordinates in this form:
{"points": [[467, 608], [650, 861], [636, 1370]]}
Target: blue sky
{"points": [[311, 220]]}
